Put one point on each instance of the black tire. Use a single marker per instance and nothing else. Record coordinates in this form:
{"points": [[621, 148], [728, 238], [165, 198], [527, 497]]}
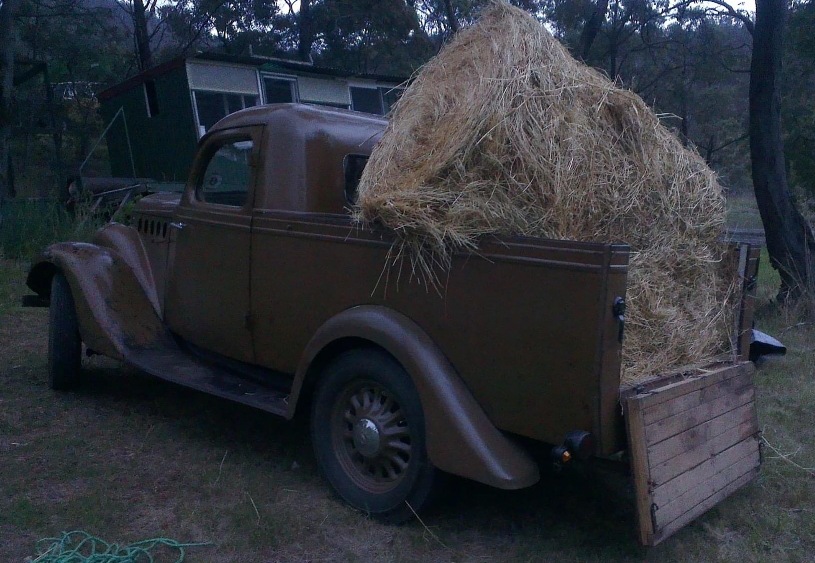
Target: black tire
{"points": [[379, 471], [64, 342]]}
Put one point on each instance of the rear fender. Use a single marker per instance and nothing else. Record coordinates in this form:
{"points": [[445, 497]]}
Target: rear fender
{"points": [[460, 438], [114, 310]]}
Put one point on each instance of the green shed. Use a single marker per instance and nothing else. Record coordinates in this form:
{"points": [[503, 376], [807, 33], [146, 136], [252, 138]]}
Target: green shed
{"points": [[157, 116]]}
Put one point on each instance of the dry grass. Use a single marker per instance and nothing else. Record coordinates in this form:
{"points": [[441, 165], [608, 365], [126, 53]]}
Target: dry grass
{"points": [[128, 457], [504, 132]]}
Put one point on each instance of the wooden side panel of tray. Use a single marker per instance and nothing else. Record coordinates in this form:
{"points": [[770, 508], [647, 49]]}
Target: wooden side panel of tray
{"points": [[693, 441]]}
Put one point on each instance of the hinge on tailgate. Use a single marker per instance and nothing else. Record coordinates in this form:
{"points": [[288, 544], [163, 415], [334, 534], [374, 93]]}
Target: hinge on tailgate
{"points": [[654, 509], [618, 310], [750, 283]]}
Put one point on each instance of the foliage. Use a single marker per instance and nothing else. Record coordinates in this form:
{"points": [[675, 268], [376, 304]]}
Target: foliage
{"points": [[798, 110], [686, 59], [233, 25], [370, 36], [28, 226]]}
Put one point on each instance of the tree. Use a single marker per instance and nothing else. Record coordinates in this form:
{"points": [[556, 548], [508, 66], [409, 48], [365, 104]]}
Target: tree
{"points": [[305, 31], [790, 240], [8, 45], [592, 27], [370, 36], [141, 37], [231, 25], [797, 109]]}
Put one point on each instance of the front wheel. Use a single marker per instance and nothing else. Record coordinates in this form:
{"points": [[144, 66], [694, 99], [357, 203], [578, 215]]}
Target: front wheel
{"points": [[368, 431], [64, 343]]}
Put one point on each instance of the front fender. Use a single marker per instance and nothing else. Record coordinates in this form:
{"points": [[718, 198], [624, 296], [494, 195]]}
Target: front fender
{"points": [[129, 246], [460, 437], [114, 310]]}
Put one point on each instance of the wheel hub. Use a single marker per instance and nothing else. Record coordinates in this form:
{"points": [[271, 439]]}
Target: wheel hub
{"points": [[373, 439], [366, 437]]}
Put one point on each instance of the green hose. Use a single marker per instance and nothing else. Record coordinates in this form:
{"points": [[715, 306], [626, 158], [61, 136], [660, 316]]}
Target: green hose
{"points": [[82, 547]]}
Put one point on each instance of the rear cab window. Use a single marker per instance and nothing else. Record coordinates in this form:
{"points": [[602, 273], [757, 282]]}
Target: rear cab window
{"points": [[353, 166]]}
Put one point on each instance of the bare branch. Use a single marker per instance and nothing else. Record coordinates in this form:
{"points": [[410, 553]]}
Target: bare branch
{"points": [[733, 13]]}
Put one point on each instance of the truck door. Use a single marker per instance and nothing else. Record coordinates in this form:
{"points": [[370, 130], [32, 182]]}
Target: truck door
{"points": [[208, 294]]}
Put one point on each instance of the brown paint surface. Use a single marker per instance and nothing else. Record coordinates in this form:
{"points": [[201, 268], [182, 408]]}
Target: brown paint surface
{"points": [[519, 338]]}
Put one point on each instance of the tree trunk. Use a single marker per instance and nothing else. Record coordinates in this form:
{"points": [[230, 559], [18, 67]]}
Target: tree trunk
{"points": [[305, 31], [8, 44], [790, 241], [141, 35], [592, 28], [451, 16]]}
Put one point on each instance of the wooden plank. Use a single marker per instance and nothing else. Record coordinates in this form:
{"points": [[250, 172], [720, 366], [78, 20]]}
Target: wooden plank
{"points": [[670, 528], [697, 436], [692, 442], [653, 413], [690, 371], [680, 422], [664, 472], [672, 391], [640, 470], [681, 484]]}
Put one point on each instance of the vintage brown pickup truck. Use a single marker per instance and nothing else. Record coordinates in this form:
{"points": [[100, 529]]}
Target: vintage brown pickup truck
{"points": [[254, 285]]}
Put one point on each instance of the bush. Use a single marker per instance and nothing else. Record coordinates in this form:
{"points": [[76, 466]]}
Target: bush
{"points": [[28, 226]]}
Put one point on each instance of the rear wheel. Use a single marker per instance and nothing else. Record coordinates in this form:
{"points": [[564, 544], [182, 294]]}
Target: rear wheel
{"points": [[64, 343], [369, 435]]}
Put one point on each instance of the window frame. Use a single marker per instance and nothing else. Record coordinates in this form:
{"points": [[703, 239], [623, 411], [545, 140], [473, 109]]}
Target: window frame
{"points": [[352, 87], [211, 144], [352, 195], [292, 80], [381, 91], [223, 94], [151, 98]]}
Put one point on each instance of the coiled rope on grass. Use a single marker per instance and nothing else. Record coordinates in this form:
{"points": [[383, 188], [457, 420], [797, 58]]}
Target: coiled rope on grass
{"points": [[81, 547]]}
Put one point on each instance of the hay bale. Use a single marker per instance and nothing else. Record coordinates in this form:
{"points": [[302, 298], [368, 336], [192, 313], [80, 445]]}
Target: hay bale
{"points": [[504, 132]]}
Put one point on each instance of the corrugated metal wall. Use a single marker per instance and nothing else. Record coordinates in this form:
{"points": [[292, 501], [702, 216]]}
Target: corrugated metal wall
{"points": [[219, 77], [325, 91], [163, 144]]}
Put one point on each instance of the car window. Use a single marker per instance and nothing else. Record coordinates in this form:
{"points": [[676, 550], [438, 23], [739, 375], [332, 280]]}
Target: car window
{"points": [[353, 166], [228, 175]]}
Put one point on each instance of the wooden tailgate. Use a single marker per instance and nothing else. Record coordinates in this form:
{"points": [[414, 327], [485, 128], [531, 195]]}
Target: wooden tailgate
{"points": [[693, 441]]}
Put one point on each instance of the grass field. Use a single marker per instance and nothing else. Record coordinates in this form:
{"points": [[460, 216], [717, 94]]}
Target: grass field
{"points": [[128, 457]]}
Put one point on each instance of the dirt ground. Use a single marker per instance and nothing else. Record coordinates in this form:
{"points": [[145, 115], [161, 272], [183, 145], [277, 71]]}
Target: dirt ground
{"points": [[128, 457]]}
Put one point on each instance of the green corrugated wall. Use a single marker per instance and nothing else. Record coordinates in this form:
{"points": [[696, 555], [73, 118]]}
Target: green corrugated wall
{"points": [[163, 145]]}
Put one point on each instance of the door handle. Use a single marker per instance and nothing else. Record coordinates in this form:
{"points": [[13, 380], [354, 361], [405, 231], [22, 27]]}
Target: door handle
{"points": [[178, 225]]}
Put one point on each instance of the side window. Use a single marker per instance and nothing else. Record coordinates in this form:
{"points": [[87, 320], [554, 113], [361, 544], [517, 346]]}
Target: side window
{"points": [[353, 165], [228, 175]]}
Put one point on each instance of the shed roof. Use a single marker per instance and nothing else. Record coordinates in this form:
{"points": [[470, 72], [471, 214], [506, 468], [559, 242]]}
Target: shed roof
{"points": [[262, 63]]}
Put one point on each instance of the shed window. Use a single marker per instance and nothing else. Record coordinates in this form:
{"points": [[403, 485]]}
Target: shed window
{"points": [[279, 90], [368, 100], [213, 106], [390, 96], [374, 100]]}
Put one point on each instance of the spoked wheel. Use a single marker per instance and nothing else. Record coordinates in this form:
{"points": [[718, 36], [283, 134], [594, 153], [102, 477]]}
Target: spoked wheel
{"points": [[64, 342], [369, 436]]}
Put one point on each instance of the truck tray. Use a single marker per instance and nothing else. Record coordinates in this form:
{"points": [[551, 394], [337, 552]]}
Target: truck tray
{"points": [[693, 440]]}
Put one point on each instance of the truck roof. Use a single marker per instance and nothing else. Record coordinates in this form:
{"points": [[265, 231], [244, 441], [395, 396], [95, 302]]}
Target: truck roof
{"points": [[304, 114], [306, 152]]}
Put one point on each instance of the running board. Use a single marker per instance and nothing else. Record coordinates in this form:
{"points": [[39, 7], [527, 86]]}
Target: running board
{"points": [[177, 366]]}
